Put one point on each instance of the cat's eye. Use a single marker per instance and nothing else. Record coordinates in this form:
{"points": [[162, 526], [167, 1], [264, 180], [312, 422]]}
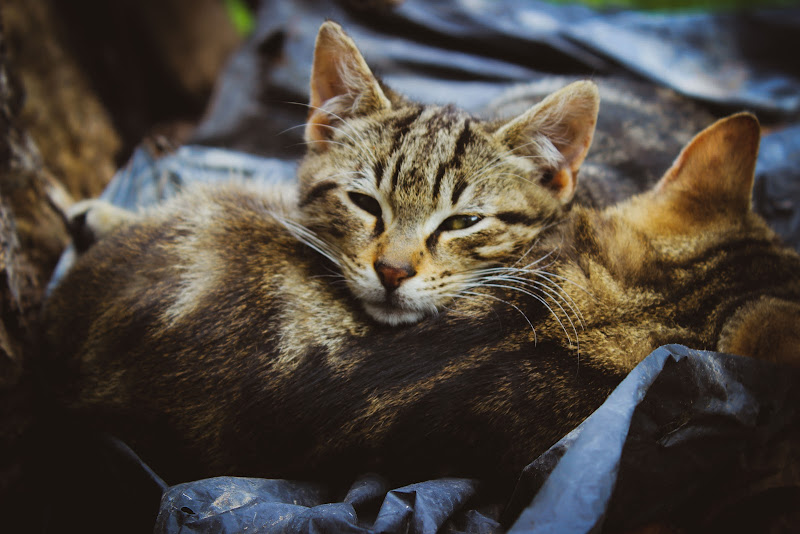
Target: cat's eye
{"points": [[366, 203], [458, 222]]}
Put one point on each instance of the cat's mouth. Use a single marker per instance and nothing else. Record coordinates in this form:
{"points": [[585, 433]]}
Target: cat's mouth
{"points": [[395, 308], [392, 314]]}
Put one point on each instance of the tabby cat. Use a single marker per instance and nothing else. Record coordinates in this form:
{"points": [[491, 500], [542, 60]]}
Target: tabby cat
{"points": [[213, 337]]}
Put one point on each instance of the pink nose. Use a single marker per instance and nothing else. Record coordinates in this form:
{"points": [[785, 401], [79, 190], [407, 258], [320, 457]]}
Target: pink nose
{"points": [[393, 275]]}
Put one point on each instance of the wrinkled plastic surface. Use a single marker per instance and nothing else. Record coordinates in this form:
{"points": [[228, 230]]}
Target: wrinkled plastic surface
{"points": [[689, 438], [776, 194], [229, 504], [468, 51]]}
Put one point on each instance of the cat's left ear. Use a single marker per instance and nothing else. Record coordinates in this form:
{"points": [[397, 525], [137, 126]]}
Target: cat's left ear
{"points": [[342, 85], [565, 120]]}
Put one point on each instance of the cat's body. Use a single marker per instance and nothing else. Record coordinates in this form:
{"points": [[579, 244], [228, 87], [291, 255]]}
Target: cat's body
{"points": [[253, 332], [215, 342]]}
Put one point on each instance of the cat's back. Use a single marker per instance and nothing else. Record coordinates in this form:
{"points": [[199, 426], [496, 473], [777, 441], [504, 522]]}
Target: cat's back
{"points": [[218, 263], [204, 226]]}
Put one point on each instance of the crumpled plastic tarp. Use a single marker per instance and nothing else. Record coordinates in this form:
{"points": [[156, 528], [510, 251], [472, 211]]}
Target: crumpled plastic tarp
{"points": [[701, 440], [469, 51]]}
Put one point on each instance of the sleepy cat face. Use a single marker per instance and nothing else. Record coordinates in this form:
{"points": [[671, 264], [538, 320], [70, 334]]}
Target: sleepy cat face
{"points": [[430, 199], [413, 203]]}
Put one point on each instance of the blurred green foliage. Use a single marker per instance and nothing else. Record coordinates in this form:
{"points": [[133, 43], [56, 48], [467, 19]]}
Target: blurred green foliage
{"points": [[241, 16]]}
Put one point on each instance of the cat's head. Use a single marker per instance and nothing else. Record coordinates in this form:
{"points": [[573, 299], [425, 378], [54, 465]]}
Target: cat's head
{"points": [[696, 237], [411, 201]]}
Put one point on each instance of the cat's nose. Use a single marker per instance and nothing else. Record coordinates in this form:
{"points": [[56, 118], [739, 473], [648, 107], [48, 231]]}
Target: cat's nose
{"points": [[392, 276]]}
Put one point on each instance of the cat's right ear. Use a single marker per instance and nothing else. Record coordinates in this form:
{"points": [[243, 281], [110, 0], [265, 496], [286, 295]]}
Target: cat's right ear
{"points": [[342, 85], [566, 119], [711, 181], [717, 168]]}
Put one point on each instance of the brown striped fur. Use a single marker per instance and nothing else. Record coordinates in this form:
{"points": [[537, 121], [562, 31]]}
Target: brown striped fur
{"points": [[211, 339]]}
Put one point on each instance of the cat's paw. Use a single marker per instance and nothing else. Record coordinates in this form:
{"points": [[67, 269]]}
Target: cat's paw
{"points": [[91, 220]]}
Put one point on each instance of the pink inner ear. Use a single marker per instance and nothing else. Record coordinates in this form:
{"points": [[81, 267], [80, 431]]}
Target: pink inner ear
{"points": [[567, 118], [676, 169], [580, 135], [325, 83], [337, 65], [561, 182], [317, 127]]}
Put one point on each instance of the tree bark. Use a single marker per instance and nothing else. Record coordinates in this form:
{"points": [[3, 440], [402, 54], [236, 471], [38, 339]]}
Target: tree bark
{"points": [[32, 235]]}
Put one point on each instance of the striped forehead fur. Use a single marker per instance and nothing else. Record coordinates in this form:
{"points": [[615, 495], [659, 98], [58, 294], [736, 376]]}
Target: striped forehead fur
{"points": [[422, 149]]}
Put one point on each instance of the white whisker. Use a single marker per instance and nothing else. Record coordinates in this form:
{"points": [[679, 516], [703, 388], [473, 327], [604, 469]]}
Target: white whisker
{"points": [[565, 279], [565, 297], [553, 291], [310, 239], [537, 297], [484, 295]]}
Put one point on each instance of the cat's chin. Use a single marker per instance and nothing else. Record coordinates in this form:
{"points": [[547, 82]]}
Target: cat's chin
{"points": [[393, 316]]}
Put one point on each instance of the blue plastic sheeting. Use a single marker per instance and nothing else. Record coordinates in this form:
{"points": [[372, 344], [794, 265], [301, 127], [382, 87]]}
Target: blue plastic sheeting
{"points": [[229, 504], [147, 181], [686, 432], [707, 56], [776, 194], [661, 439], [732, 61]]}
